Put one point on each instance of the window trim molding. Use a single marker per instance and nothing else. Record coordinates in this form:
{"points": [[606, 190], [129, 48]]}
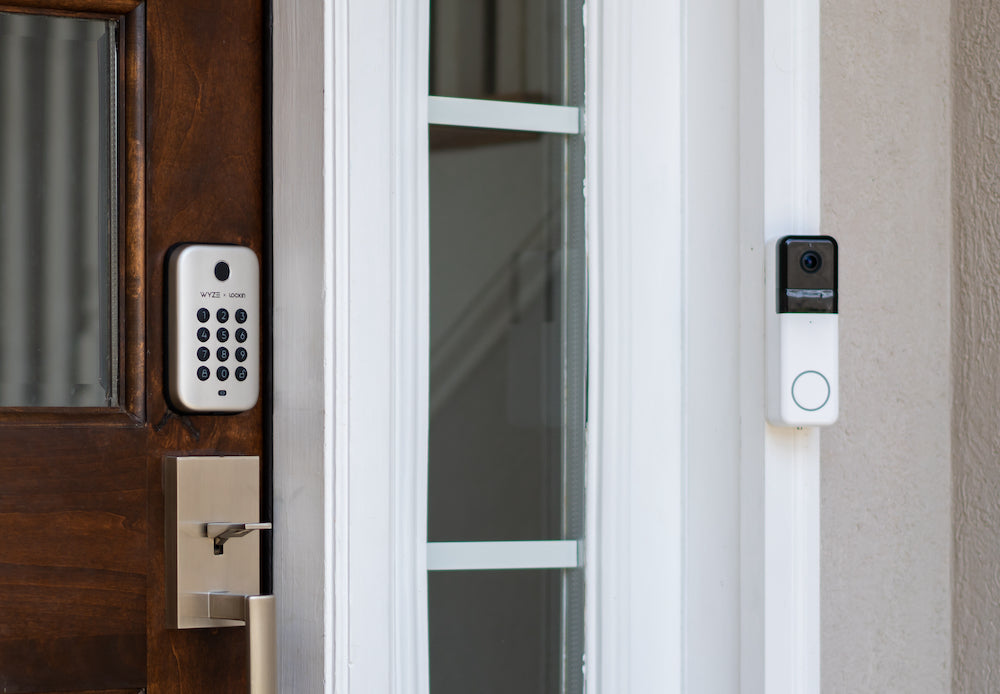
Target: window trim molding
{"points": [[352, 593], [634, 545], [657, 74]]}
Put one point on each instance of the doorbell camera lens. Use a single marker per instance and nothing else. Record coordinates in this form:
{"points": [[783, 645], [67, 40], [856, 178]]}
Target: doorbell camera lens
{"points": [[222, 271], [806, 274], [811, 261]]}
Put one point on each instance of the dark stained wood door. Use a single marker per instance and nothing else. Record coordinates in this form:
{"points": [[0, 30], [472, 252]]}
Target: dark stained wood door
{"points": [[82, 606]]}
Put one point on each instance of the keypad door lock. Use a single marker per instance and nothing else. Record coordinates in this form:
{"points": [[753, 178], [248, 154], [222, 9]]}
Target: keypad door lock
{"points": [[214, 333]]}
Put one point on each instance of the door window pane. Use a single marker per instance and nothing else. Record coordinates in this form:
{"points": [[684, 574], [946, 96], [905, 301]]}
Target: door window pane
{"points": [[497, 632], [58, 202]]}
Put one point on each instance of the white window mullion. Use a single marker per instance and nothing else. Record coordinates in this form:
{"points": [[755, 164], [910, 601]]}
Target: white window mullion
{"points": [[503, 115], [488, 556]]}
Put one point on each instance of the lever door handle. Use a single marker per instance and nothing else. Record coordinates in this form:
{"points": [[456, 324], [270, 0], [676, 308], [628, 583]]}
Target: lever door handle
{"points": [[258, 613], [220, 532], [228, 530]]}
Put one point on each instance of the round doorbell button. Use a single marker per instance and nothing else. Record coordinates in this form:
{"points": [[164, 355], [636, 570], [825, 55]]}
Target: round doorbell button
{"points": [[810, 390]]}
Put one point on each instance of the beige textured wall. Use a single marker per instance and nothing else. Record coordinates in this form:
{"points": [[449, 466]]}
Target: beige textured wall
{"points": [[886, 470], [976, 302]]}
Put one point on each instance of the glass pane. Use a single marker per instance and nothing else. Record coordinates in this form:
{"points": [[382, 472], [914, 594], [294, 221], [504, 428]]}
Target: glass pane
{"points": [[58, 204], [500, 49], [496, 632], [508, 349], [498, 321]]}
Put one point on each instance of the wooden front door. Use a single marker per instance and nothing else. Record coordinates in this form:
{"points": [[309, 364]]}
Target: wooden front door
{"points": [[82, 594]]}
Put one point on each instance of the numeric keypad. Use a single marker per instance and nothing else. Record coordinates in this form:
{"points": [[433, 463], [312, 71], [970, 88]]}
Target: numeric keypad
{"points": [[222, 336]]}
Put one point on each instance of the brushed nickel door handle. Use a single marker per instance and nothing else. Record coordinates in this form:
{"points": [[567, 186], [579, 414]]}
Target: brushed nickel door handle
{"points": [[220, 532], [257, 612]]}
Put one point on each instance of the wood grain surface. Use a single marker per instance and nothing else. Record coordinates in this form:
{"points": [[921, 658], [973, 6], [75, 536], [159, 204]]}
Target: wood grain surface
{"points": [[78, 8], [204, 183], [82, 595]]}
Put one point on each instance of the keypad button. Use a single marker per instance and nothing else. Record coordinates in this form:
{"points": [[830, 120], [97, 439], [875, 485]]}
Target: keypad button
{"points": [[241, 316], [222, 315], [203, 315], [222, 373], [241, 373], [241, 335], [222, 353], [241, 354], [222, 334], [203, 334], [203, 354], [203, 373]]}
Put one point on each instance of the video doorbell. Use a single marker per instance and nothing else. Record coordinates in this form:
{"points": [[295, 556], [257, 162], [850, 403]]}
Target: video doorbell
{"points": [[801, 326], [214, 337]]}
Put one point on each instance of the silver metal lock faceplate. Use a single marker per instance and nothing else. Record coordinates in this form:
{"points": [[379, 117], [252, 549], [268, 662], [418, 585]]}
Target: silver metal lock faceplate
{"points": [[203, 490]]}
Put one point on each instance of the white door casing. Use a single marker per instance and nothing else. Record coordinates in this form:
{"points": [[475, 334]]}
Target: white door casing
{"points": [[702, 533]]}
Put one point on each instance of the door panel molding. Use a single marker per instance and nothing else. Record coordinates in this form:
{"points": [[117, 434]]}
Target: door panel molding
{"points": [[132, 215], [131, 223], [100, 8]]}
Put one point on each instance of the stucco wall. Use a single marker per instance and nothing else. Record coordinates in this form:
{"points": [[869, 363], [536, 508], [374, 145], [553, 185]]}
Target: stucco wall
{"points": [[886, 470], [976, 442]]}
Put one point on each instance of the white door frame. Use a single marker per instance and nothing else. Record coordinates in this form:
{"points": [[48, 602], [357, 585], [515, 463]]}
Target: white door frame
{"points": [[702, 551]]}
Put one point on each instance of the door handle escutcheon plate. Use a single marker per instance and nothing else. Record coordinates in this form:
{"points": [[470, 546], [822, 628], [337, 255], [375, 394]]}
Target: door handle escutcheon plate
{"points": [[207, 587]]}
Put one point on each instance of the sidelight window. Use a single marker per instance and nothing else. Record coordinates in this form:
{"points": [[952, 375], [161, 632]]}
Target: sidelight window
{"points": [[508, 350]]}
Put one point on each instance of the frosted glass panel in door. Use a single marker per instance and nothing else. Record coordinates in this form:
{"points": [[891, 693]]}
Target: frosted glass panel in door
{"points": [[58, 205]]}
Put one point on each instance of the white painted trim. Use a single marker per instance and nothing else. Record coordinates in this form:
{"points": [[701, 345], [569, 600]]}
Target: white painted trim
{"points": [[779, 183], [336, 112], [712, 285], [636, 217], [381, 309], [411, 344], [503, 115], [350, 345], [479, 556], [349, 625], [736, 530]]}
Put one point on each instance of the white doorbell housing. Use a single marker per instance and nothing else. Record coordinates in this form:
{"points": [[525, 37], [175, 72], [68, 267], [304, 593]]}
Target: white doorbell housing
{"points": [[214, 337], [802, 334]]}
